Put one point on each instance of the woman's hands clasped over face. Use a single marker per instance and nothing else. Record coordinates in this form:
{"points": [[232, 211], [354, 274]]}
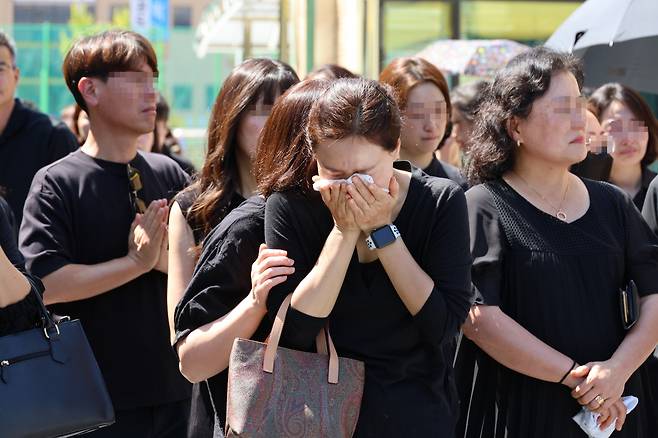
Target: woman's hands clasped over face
{"points": [[361, 206], [335, 198], [371, 206]]}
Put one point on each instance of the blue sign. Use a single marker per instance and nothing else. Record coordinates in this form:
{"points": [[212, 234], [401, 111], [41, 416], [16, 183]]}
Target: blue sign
{"points": [[160, 19]]}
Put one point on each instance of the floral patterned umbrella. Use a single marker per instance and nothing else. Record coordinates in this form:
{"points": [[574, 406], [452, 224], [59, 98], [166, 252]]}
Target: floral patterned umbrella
{"points": [[471, 57]]}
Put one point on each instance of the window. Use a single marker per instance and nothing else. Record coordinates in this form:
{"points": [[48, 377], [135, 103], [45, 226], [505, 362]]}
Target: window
{"points": [[182, 16]]}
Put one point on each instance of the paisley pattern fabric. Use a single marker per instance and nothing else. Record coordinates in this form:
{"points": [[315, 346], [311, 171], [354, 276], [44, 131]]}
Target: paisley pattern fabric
{"points": [[295, 400]]}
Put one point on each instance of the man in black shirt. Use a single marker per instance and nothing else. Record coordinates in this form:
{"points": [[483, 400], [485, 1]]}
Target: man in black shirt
{"points": [[29, 139], [94, 229]]}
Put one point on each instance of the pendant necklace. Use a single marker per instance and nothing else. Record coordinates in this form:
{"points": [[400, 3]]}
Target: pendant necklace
{"points": [[559, 212]]}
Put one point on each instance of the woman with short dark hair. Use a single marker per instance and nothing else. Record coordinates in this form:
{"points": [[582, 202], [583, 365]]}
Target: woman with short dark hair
{"points": [[551, 252], [632, 129], [384, 259]]}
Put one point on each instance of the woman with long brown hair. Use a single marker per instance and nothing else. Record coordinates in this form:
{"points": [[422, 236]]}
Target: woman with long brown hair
{"points": [[424, 100], [227, 295], [226, 179]]}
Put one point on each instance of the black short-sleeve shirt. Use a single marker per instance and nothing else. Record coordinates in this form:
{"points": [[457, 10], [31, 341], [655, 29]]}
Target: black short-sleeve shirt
{"points": [[409, 388], [222, 278], [30, 141], [79, 211]]}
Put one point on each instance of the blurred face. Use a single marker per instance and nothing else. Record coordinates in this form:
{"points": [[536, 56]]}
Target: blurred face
{"points": [[83, 124], [462, 129], [9, 75], [127, 99], [425, 119], [339, 159], [629, 135], [597, 138], [251, 124], [555, 129]]}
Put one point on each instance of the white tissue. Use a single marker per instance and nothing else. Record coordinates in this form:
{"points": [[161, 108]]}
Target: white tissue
{"points": [[587, 419], [317, 185]]}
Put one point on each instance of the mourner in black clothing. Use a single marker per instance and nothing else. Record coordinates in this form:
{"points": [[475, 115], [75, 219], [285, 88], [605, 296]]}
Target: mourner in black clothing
{"points": [[226, 179], [29, 139], [424, 100], [94, 231], [396, 307], [550, 253], [632, 134], [225, 298]]}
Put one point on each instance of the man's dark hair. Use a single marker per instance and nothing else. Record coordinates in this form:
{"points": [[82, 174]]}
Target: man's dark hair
{"points": [[108, 52], [6, 41]]}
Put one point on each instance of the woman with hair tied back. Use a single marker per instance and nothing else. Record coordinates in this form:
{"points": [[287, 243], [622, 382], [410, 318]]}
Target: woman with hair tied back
{"points": [[550, 253], [382, 258], [422, 94]]}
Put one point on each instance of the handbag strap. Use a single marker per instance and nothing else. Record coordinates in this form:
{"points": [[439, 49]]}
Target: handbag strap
{"points": [[48, 322], [322, 340]]}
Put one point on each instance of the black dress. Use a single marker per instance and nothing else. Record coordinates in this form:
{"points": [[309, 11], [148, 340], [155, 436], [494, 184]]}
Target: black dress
{"points": [[202, 416], [409, 386], [559, 281], [222, 278]]}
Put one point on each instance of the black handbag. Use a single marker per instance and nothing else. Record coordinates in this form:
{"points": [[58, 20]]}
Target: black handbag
{"points": [[50, 383]]}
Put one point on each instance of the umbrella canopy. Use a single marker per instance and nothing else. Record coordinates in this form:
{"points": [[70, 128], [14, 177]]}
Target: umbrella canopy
{"points": [[617, 40], [471, 57]]}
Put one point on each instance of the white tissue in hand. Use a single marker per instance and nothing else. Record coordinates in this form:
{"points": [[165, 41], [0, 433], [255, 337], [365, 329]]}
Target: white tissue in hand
{"points": [[321, 183], [587, 420]]}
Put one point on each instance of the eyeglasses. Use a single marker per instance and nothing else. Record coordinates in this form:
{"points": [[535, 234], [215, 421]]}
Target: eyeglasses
{"points": [[135, 181]]}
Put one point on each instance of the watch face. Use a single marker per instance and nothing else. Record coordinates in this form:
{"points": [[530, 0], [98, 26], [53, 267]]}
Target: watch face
{"points": [[383, 236]]}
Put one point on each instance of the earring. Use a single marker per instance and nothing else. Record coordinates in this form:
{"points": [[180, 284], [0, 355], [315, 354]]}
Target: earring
{"points": [[518, 143]]}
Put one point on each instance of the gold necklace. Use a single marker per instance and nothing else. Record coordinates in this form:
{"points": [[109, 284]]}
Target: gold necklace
{"points": [[559, 213]]}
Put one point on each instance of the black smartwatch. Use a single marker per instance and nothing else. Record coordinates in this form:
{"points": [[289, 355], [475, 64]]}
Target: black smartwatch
{"points": [[382, 237]]}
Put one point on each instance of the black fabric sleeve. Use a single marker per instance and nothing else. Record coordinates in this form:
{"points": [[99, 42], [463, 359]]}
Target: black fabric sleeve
{"points": [[222, 278], [641, 250], [449, 266], [487, 247], [8, 238], [62, 142], [286, 217], [650, 208], [23, 315], [46, 238]]}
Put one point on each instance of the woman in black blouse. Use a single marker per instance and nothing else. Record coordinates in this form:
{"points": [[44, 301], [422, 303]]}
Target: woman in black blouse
{"points": [[632, 130], [550, 253], [225, 181], [396, 307], [19, 309], [227, 294]]}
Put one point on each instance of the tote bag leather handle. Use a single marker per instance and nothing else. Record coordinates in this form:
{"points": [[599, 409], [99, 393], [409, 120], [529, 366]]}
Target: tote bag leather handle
{"points": [[323, 339]]}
